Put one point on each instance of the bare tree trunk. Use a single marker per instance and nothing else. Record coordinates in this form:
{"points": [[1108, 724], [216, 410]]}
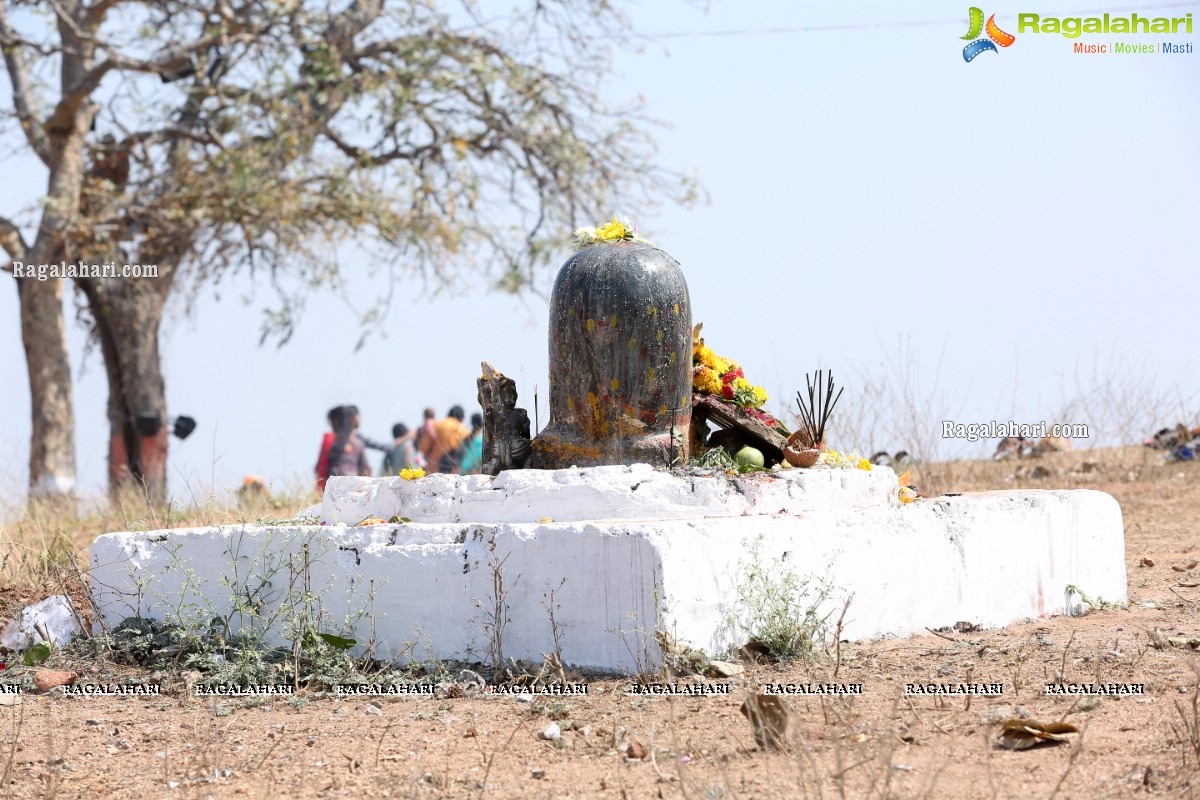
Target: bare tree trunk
{"points": [[44, 336], [59, 142], [127, 314]]}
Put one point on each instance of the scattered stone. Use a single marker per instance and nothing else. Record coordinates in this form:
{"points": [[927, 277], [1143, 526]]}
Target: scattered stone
{"points": [[46, 679], [636, 751], [373, 710], [755, 652], [996, 714], [725, 669], [93, 722], [1146, 562], [551, 733], [1089, 704], [770, 720], [537, 774], [470, 678]]}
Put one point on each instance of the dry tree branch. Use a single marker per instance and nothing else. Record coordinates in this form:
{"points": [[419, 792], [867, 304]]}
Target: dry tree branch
{"points": [[22, 89], [12, 242]]}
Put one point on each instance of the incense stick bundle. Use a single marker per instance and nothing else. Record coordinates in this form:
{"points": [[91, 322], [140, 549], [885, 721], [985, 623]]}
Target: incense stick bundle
{"points": [[814, 415]]}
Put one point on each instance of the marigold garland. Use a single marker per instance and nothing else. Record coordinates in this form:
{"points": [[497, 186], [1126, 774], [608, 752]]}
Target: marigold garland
{"points": [[723, 378]]}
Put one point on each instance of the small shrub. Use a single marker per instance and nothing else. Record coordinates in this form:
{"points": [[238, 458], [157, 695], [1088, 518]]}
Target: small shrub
{"points": [[779, 609]]}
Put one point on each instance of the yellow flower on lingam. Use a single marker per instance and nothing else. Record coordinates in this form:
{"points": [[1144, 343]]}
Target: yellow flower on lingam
{"points": [[864, 464], [412, 474], [761, 395], [614, 231]]}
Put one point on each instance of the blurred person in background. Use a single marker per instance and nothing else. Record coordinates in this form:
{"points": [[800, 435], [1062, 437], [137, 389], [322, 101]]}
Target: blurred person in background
{"points": [[472, 459], [425, 437], [449, 435], [403, 454], [334, 417], [348, 452]]}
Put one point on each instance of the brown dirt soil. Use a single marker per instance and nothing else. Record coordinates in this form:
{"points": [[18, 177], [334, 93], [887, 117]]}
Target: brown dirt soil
{"points": [[880, 744]]}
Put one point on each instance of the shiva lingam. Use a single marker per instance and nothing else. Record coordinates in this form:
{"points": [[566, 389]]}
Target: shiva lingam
{"points": [[620, 356]]}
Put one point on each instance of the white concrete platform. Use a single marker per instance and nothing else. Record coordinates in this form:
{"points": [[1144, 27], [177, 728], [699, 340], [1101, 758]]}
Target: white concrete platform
{"points": [[634, 492], [640, 550]]}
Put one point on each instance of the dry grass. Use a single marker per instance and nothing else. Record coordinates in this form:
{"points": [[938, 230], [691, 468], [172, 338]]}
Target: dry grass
{"points": [[43, 545]]}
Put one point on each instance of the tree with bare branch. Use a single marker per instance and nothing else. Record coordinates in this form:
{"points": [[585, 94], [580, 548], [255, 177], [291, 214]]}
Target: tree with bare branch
{"points": [[203, 136]]}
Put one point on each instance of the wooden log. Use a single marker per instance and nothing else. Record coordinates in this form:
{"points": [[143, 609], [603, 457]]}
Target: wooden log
{"points": [[730, 417]]}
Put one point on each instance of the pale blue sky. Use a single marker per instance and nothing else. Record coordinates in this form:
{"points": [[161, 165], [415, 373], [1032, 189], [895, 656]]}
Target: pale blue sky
{"points": [[1007, 223]]}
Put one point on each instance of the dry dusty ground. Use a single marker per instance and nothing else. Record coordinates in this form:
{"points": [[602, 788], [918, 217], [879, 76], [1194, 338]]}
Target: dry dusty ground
{"points": [[877, 745]]}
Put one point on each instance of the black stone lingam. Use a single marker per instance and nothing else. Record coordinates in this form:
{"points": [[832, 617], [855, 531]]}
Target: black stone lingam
{"points": [[620, 360]]}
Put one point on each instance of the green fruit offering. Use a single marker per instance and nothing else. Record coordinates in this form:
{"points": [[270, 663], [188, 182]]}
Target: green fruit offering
{"points": [[750, 457]]}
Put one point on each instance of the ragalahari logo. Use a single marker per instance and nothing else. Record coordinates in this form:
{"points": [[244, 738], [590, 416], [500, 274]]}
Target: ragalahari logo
{"points": [[995, 36]]}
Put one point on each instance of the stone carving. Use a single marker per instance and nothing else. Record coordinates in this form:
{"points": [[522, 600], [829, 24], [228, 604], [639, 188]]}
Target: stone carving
{"points": [[506, 440]]}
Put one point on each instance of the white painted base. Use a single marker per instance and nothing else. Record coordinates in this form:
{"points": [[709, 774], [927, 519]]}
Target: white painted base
{"points": [[990, 559]]}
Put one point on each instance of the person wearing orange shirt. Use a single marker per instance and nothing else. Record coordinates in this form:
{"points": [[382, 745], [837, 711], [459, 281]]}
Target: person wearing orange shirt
{"points": [[448, 436]]}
